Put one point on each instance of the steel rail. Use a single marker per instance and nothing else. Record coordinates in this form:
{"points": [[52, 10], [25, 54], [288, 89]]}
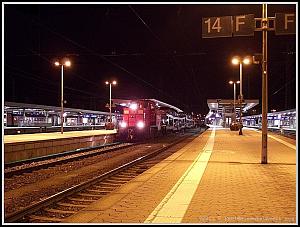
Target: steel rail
{"points": [[57, 162]]}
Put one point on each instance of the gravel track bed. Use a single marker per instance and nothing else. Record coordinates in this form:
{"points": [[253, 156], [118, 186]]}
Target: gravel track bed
{"points": [[53, 160]]}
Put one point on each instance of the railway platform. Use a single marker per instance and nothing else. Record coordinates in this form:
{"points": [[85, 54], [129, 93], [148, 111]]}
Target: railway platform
{"points": [[25, 146], [217, 178]]}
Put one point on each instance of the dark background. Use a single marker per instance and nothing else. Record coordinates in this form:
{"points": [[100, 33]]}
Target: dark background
{"points": [[153, 51]]}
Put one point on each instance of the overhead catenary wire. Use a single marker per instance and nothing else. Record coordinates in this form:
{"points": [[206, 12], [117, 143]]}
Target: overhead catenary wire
{"points": [[41, 79], [99, 55], [161, 42], [284, 86], [75, 74]]}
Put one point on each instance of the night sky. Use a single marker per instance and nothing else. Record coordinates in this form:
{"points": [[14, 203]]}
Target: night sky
{"points": [[152, 50]]}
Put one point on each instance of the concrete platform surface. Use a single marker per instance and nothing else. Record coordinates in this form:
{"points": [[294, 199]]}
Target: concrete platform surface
{"points": [[217, 178], [54, 135]]}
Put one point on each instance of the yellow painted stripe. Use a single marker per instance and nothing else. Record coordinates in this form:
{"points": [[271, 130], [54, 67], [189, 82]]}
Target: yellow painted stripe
{"points": [[281, 141], [173, 207]]}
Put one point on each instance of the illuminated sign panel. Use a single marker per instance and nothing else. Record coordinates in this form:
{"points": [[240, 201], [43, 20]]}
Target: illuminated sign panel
{"points": [[243, 25], [285, 23], [216, 27]]}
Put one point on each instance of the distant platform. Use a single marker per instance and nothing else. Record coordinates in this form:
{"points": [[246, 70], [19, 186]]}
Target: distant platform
{"points": [[27, 146], [54, 135]]}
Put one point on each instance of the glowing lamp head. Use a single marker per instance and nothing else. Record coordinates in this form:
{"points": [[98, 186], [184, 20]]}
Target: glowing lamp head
{"points": [[106, 82], [140, 124], [56, 63], [236, 82], [114, 82], [235, 61], [247, 61], [67, 63], [123, 124], [133, 106]]}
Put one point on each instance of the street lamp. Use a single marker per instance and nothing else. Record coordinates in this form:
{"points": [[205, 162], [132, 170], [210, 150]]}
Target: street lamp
{"points": [[66, 63], [110, 83], [234, 95], [240, 61]]}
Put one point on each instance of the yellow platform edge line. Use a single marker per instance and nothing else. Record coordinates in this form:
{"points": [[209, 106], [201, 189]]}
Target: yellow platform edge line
{"points": [[174, 205], [281, 141]]}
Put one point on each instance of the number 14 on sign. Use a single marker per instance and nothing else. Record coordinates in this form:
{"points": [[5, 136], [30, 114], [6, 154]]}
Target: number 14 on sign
{"points": [[216, 25]]}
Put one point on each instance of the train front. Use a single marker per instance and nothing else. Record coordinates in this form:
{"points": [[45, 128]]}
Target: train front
{"points": [[134, 124]]}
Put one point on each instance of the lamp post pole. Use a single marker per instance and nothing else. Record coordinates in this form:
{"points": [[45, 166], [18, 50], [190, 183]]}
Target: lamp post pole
{"points": [[234, 94], [68, 64], [241, 97], [110, 83], [62, 101], [264, 128], [110, 102], [239, 61], [241, 80], [234, 98]]}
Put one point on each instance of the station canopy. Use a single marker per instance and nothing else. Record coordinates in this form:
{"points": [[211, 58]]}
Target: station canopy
{"points": [[127, 102], [218, 105], [31, 108]]}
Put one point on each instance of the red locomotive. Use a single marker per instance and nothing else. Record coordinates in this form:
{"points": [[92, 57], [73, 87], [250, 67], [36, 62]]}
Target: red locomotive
{"points": [[146, 118], [141, 119]]}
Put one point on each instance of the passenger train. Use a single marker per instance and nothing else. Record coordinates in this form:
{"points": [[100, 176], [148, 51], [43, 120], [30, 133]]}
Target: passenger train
{"points": [[284, 122], [20, 118]]}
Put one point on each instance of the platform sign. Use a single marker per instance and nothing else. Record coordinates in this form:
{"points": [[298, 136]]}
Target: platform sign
{"points": [[243, 25], [285, 23], [213, 27]]}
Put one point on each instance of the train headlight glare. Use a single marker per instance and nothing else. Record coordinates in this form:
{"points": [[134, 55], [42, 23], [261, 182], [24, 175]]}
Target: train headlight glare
{"points": [[140, 124], [123, 124], [133, 106]]}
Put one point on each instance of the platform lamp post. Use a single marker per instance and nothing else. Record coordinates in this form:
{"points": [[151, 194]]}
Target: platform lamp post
{"points": [[66, 63], [240, 61], [110, 83], [234, 95]]}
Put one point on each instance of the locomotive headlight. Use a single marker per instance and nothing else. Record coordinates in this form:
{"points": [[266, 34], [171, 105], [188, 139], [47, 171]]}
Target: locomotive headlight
{"points": [[123, 124], [140, 124], [133, 106]]}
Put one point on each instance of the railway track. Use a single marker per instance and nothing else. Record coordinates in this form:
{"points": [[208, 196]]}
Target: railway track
{"points": [[65, 203], [284, 132], [26, 166], [289, 133]]}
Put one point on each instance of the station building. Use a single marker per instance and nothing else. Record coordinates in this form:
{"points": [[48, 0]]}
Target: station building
{"points": [[223, 111]]}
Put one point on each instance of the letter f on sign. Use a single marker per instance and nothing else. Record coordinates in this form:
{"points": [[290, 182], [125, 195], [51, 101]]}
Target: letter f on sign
{"points": [[286, 20], [238, 22]]}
